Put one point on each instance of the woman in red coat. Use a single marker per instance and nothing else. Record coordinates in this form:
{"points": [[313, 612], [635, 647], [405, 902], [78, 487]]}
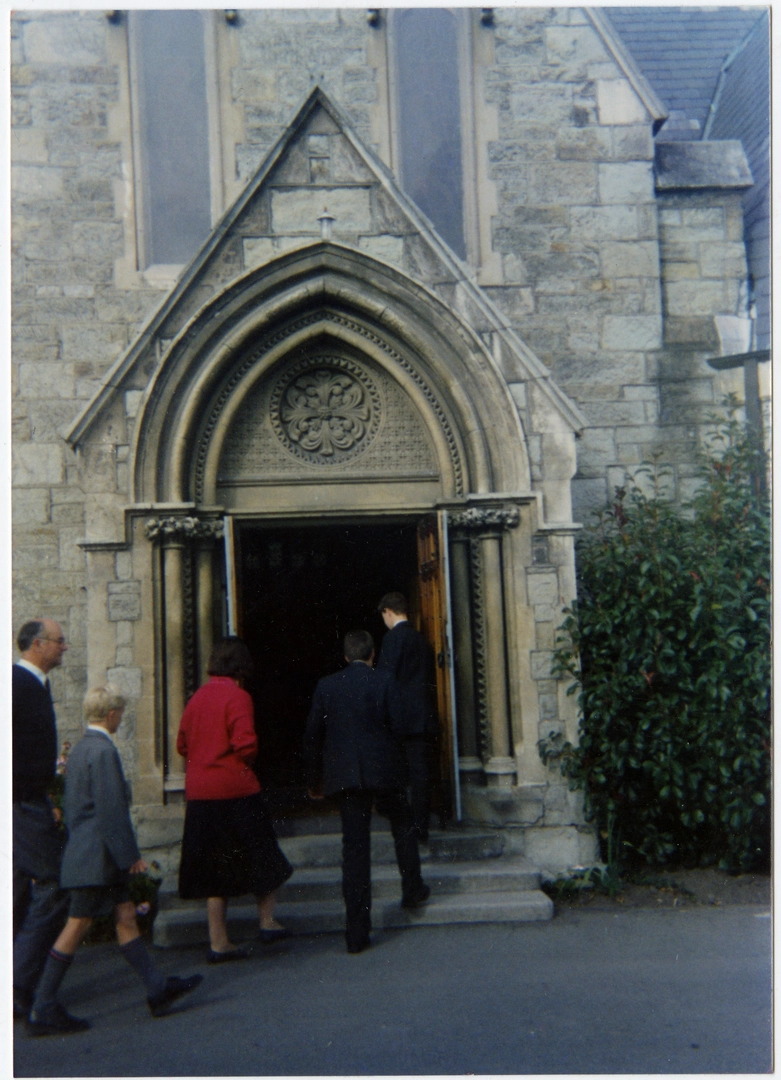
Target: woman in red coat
{"points": [[229, 846]]}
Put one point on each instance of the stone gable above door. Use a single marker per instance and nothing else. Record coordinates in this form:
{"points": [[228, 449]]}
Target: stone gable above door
{"points": [[323, 206], [320, 166]]}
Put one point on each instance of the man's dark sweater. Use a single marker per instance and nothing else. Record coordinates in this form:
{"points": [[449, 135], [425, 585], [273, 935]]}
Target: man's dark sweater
{"points": [[34, 733]]}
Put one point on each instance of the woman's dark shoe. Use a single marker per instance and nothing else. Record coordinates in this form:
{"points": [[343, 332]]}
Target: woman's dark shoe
{"points": [[213, 957], [277, 933], [54, 1020]]}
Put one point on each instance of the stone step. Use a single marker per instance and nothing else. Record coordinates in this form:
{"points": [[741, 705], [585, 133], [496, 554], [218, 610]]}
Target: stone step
{"points": [[456, 845], [188, 926], [445, 878]]}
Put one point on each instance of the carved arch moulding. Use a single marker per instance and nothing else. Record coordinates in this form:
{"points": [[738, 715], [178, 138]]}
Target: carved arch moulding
{"points": [[326, 404]]}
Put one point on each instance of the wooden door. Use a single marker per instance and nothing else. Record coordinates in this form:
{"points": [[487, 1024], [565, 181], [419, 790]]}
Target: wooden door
{"points": [[232, 618], [434, 601]]}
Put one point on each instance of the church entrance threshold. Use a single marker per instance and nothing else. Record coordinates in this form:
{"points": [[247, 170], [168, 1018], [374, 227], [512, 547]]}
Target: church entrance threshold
{"points": [[299, 590]]}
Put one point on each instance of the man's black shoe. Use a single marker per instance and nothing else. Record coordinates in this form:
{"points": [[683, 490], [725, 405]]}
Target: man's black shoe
{"points": [[417, 898], [54, 1020], [358, 946], [175, 987], [23, 1002]]}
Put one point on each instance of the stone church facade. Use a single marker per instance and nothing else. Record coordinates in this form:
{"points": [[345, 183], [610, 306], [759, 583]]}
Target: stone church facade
{"points": [[210, 444]]}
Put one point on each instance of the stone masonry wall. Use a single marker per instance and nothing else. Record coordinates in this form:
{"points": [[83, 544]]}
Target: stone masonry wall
{"points": [[578, 231], [70, 323], [578, 228], [283, 54], [577, 224]]}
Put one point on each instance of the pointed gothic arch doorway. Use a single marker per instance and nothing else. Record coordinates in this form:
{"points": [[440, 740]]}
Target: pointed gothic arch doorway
{"points": [[293, 589]]}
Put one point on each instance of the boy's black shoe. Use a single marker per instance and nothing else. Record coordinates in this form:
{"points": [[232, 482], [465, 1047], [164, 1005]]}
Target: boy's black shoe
{"points": [[420, 896], [175, 987], [54, 1020]]}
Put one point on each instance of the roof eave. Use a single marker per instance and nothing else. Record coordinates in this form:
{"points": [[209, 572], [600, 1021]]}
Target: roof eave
{"points": [[626, 62]]}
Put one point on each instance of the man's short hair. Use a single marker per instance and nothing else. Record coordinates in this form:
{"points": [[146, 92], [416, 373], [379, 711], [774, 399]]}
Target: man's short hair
{"points": [[358, 645], [231, 659], [395, 602], [31, 630], [101, 700]]}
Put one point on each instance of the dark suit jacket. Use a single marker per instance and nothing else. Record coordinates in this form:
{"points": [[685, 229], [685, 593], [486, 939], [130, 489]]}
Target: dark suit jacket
{"points": [[101, 843], [348, 743], [34, 735], [408, 659]]}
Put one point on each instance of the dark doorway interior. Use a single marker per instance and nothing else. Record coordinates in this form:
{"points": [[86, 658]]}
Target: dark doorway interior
{"points": [[301, 589]]}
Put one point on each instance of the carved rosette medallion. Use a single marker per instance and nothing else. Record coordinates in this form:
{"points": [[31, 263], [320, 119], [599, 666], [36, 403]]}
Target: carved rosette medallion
{"points": [[326, 410]]}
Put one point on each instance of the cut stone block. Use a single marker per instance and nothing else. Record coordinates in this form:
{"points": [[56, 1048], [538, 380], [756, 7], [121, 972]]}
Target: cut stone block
{"points": [[298, 211]]}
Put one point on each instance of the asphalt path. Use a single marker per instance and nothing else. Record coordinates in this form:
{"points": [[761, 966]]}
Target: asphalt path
{"points": [[635, 991]]}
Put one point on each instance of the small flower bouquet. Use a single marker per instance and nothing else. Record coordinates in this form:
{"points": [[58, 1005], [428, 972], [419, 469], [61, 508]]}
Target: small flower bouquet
{"points": [[143, 889], [57, 790]]}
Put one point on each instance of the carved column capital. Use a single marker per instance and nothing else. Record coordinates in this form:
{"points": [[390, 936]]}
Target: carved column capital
{"points": [[480, 518], [183, 529]]}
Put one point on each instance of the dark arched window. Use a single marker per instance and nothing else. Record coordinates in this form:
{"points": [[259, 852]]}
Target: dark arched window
{"points": [[429, 117], [172, 134]]}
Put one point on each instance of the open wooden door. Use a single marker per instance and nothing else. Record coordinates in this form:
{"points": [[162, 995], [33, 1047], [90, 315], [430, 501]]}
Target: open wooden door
{"points": [[232, 614], [436, 627]]}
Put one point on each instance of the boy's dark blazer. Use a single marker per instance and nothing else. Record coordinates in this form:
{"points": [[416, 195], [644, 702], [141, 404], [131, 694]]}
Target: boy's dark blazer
{"points": [[408, 659], [348, 743], [101, 843]]}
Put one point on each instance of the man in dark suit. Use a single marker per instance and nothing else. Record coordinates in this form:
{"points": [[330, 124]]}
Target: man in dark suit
{"points": [[40, 906], [408, 659], [351, 754]]}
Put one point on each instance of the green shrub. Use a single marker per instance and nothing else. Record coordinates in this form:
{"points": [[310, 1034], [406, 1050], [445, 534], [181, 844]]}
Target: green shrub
{"points": [[668, 647]]}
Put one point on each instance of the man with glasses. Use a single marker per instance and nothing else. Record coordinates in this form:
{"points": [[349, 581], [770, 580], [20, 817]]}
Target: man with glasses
{"points": [[40, 906]]}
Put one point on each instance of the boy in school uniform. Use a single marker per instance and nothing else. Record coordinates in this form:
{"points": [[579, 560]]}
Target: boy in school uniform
{"points": [[100, 855]]}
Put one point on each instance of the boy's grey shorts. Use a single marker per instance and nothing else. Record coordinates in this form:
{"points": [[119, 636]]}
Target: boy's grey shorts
{"points": [[97, 900]]}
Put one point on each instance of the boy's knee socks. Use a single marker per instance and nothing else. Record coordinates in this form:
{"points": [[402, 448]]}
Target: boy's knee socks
{"points": [[54, 971], [136, 954]]}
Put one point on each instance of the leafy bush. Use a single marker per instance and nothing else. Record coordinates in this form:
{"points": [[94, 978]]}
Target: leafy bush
{"points": [[669, 650]]}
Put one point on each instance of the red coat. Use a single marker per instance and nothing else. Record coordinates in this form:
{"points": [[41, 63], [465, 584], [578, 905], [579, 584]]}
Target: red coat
{"points": [[217, 738]]}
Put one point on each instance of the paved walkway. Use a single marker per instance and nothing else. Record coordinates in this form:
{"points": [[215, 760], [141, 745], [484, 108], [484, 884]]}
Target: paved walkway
{"points": [[671, 991]]}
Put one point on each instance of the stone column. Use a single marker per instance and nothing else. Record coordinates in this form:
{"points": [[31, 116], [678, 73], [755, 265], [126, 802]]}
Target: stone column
{"points": [[173, 556], [205, 594], [187, 628], [500, 767], [486, 525], [468, 757]]}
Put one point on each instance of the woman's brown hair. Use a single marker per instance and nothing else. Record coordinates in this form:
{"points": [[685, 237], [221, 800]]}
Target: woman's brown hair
{"points": [[231, 658]]}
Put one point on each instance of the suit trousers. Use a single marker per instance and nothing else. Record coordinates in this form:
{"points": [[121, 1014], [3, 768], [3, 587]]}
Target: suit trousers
{"points": [[40, 905], [418, 754], [355, 807]]}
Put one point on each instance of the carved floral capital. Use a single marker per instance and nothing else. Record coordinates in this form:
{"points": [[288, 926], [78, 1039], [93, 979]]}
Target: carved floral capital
{"points": [[183, 528], [485, 517]]}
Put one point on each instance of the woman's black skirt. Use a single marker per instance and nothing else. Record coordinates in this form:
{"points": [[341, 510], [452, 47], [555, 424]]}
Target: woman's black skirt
{"points": [[229, 848]]}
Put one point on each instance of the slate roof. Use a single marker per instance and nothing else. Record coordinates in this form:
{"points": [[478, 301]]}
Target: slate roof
{"points": [[742, 102], [711, 69], [681, 50], [742, 110]]}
